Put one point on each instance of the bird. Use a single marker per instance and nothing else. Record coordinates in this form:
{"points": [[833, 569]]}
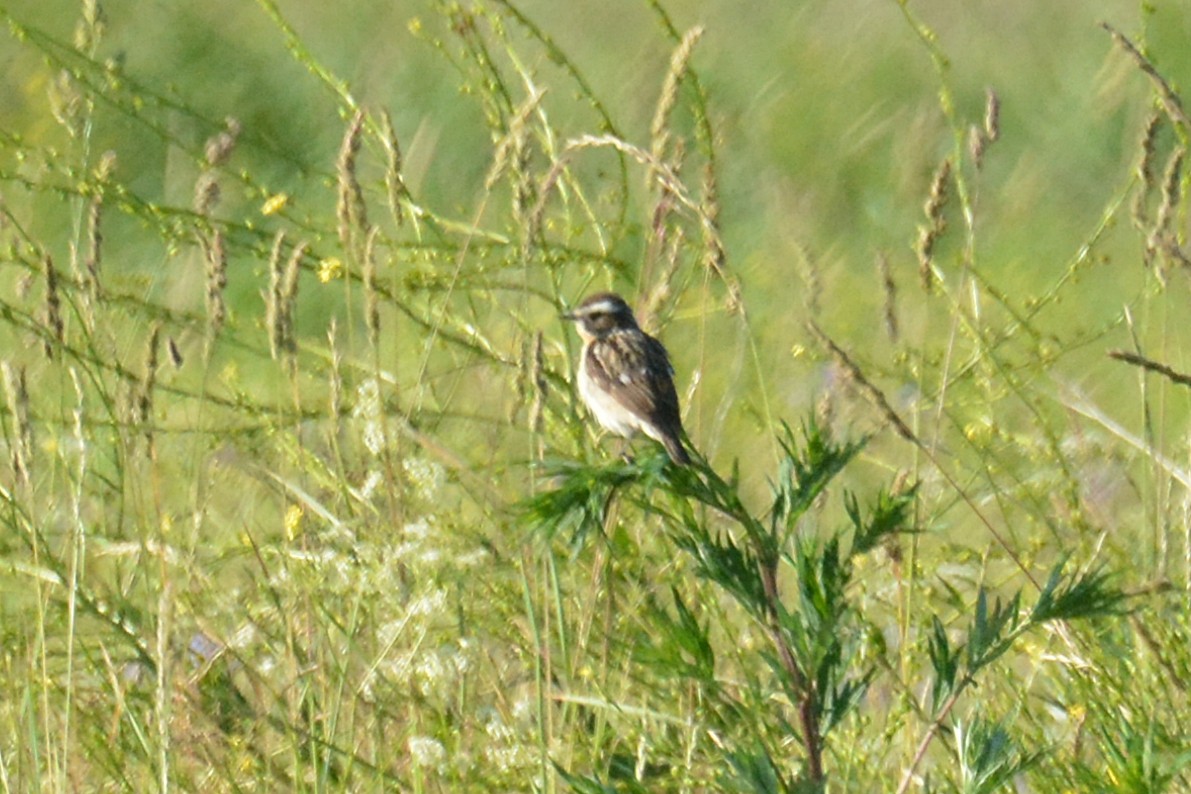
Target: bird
{"points": [[625, 377]]}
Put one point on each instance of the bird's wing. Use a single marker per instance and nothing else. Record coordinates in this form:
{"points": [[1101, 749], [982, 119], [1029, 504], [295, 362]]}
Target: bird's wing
{"points": [[635, 370]]}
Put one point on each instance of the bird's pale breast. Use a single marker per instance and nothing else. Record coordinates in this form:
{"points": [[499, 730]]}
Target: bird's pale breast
{"points": [[608, 411]]}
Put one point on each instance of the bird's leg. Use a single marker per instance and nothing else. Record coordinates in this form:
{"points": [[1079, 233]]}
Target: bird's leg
{"points": [[626, 452]]}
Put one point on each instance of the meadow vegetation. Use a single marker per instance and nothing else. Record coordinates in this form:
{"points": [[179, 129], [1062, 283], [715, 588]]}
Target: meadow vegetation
{"points": [[296, 493]]}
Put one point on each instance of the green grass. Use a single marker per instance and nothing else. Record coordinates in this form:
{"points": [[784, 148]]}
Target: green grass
{"points": [[297, 494]]}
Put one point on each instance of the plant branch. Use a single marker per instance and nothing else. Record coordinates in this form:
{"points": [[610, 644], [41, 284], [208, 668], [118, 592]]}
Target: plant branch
{"points": [[1148, 363], [930, 735], [808, 719]]}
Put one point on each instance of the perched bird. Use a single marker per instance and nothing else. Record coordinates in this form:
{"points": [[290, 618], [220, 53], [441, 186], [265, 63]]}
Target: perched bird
{"points": [[625, 377]]}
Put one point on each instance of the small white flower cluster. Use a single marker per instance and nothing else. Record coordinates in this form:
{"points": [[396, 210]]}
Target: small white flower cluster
{"points": [[369, 408], [418, 545], [409, 663], [371, 483], [505, 751], [428, 605], [422, 543], [426, 477], [427, 753]]}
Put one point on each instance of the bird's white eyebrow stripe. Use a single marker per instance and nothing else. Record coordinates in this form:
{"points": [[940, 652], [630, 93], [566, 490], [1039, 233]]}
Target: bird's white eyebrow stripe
{"points": [[605, 306]]}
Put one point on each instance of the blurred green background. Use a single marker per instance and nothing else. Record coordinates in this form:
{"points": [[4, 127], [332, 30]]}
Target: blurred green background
{"points": [[826, 116]]}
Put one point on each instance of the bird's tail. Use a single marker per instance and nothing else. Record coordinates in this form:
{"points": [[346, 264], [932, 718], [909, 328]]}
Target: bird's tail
{"points": [[677, 451]]}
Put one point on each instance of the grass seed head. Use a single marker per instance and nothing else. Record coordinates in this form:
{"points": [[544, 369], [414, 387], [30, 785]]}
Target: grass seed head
{"points": [[142, 407], [371, 296], [715, 257], [680, 60], [53, 308], [992, 115], [1148, 143], [1172, 179], [350, 209], [875, 396], [273, 292], [219, 146], [206, 193], [335, 398], [936, 223], [17, 396], [889, 290], [282, 299], [216, 271], [93, 261], [175, 353], [394, 183], [1145, 169], [539, 383], [977, 145]]}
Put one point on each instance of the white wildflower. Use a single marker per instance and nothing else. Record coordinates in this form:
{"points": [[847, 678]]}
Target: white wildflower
{"points": [[417, 530], [387, 634], [368, 407], [436, 675], [498, 731], [406, 551], [374, 437], [428, 604], [244, 636], [398, 670], [375, 478], [471, 559], [426, 476], [427, 752], [462, 656], [523, 711]]}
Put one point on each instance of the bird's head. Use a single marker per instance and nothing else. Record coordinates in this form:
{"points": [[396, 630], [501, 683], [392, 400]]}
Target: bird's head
{"points": [[601, 314]]}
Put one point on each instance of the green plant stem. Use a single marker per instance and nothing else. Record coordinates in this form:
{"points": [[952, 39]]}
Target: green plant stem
{"points": [[808, 720], [930, 735]]}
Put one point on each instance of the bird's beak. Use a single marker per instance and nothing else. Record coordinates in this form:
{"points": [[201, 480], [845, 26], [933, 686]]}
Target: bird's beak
{"points": [[568, 316]]}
